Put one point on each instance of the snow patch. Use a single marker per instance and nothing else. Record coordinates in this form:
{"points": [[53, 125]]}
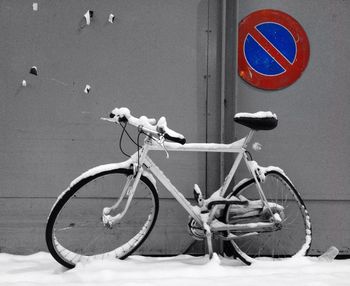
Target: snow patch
{"points": [[41, 269], [102, 168], [259, 114], [330, 254]]}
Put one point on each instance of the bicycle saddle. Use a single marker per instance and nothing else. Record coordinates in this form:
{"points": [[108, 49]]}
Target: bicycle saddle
{"points": [[262, 120]]}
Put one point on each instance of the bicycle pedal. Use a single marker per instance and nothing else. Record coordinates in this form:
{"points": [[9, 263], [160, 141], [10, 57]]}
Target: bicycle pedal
{"points": [[197, 194]]}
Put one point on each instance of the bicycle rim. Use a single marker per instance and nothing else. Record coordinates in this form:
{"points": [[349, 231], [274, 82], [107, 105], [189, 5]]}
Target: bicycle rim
{"points": [[294, 237], [75, 231]]}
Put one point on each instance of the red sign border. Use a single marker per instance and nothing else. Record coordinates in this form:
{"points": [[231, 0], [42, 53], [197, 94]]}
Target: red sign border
{"points": [[302, 44]]}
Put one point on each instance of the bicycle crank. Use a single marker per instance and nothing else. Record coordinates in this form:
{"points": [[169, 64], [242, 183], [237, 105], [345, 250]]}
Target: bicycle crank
{"points": [[195, 230]]}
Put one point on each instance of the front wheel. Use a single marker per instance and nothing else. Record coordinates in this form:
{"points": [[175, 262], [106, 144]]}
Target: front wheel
{"points": [[292, 237], [75, 231]]}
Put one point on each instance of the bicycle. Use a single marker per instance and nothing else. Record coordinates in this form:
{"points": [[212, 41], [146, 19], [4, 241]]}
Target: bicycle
{"points": [[109, 210]]}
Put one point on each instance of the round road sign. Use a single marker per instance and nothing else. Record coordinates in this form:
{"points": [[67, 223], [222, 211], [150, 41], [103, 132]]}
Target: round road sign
{"points": [[273, 49]]}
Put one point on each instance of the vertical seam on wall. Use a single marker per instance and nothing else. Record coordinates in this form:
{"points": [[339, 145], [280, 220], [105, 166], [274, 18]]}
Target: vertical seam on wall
{"points": [[207, 96], [235, 91], [223, 88]]}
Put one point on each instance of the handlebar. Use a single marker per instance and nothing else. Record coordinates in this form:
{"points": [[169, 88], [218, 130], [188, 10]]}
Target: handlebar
{"points": [[148, 125]]}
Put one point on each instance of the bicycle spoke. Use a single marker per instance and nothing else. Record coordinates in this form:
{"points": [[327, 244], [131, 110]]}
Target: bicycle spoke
{"points": [[285, 241], [77, 230]]}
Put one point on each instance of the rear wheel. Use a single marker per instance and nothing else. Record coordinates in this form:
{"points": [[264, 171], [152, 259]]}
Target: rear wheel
{"points": [[75, 231], [292, 237]]}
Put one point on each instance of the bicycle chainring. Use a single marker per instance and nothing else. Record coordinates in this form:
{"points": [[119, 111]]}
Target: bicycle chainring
{"points": [[195, 230]]}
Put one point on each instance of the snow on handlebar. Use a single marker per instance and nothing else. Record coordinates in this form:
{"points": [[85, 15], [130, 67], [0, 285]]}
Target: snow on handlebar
{"points": [[149, 125]]}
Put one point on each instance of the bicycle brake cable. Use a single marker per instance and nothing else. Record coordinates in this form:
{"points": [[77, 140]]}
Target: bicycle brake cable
{"points": [[121, 138], [250, 155]]}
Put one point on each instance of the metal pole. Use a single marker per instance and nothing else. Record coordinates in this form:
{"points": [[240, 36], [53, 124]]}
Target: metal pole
{"points": [[223, 88]]}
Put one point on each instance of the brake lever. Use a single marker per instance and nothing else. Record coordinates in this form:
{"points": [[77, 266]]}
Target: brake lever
{"points": [[161, 143]]}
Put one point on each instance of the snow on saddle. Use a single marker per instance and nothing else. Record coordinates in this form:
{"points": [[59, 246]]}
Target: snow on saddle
{"points": [[262, 120]]}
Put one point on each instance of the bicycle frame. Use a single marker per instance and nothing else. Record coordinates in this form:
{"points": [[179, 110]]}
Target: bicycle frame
{"points": [[235, 147], [141, 159]]}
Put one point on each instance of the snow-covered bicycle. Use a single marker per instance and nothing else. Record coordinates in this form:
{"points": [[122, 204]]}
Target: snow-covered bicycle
{"points": [[110, 210]]}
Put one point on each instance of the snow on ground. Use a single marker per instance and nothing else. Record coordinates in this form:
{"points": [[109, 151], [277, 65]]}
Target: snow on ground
{"points": [[42, 269]]}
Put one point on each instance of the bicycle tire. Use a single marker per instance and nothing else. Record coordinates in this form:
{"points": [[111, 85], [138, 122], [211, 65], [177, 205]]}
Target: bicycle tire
{"points": [[70, 242], [294, 238]]}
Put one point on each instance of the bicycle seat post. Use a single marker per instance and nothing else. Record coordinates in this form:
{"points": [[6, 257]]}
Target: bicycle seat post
{"points": [[248, 138]]}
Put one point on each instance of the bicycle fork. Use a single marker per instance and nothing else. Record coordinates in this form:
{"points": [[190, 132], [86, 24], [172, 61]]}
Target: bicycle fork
{"points": [[129, 191]]}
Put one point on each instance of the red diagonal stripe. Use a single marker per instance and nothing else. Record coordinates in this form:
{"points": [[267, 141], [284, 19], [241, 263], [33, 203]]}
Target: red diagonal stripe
{"points": [[268, 47]]}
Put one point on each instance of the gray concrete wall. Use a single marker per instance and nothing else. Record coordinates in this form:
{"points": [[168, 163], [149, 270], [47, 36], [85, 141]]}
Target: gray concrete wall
{"points": [[162, 58], [311, 142], [155, 59]]}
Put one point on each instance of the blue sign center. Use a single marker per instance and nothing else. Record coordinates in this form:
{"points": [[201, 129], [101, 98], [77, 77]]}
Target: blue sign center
{"points": [[259, 59]]}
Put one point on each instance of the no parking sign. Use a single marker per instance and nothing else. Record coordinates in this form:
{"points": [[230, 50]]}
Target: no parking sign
{"points": [[273, 49]]}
